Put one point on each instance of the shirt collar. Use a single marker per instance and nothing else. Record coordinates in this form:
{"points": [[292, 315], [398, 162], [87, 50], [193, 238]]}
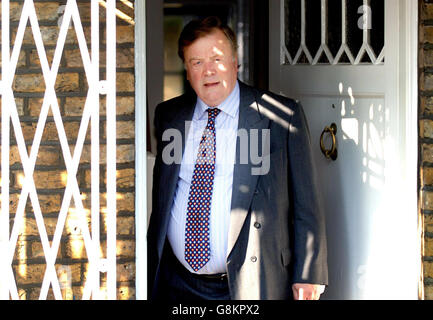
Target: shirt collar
{"points": [[230, 105]]}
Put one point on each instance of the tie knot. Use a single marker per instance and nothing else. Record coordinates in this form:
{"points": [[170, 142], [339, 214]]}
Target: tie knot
{"points": [[213, 112]]}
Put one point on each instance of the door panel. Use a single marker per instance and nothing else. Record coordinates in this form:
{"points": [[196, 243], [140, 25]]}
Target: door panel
{"points": [[371, 223], [353, 184]]}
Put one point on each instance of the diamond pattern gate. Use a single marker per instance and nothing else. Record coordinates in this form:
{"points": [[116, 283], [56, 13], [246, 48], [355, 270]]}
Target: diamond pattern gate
{"points": [[11, 129], [312, 28]]}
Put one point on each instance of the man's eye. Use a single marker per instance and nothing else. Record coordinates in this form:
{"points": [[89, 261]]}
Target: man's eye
{"points": [[196, 63]]}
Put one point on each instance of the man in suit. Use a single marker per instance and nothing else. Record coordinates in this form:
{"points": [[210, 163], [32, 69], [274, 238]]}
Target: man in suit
{"points": [[235, 208]]}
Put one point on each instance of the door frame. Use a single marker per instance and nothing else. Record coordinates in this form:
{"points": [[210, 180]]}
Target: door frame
{"points": [[407, 99], [140, 152], [409, 62]]}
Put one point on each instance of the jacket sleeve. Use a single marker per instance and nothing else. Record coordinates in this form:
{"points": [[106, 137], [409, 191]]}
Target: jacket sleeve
{"points": [[158, 160], [310, 248], [152, 255]]}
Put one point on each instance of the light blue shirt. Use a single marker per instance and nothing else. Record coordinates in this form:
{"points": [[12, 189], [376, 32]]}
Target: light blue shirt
{"points": [[226, 126]]}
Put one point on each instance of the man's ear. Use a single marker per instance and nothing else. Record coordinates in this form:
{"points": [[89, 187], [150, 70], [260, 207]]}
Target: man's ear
{"points": [[236, 62]]}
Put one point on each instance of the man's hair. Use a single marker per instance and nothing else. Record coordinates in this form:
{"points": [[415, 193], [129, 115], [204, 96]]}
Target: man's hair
{"points": [[196, 29]]}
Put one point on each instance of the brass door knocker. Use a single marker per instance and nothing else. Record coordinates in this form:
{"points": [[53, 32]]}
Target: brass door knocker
{"points": [[330, 153]]}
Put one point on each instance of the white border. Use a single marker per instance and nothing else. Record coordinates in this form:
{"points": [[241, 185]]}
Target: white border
{"points": [[140, 152]]}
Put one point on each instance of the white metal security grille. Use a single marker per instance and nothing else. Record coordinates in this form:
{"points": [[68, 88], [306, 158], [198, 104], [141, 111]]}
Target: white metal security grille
{"points": [[90, 116], [363, 22]]}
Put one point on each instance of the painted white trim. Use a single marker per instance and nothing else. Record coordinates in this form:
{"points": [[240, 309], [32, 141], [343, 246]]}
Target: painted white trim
{"points": [[140, 152], [110, 86], [411, 119]]}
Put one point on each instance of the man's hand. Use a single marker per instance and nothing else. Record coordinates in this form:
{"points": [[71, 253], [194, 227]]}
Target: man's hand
{"points": [[306, 291]]}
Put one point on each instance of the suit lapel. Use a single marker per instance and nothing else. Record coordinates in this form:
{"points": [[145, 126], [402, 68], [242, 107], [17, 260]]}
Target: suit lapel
{"points": [[244, 183]]}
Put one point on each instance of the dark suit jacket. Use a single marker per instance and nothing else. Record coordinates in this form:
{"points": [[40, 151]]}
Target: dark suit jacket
{"points": [[277, 227]]}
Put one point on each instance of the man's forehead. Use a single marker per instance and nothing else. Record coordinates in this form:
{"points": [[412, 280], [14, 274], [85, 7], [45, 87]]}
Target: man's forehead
{"points": [[217, 53], [199, 48]]}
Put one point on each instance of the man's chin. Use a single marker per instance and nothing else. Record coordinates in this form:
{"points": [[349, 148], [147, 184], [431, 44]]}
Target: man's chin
{"points": [[211, 97], [213, 102]]}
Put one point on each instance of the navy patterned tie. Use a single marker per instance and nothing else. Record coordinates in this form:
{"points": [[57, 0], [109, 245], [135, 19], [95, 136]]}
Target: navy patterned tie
{"points": [[197, 244]]}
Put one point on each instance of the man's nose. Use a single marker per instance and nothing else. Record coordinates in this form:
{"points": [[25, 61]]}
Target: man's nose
{"points": [[210, 68]]}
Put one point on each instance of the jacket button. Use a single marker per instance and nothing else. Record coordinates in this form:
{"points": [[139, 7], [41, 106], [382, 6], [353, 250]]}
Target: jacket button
{"points": [[253, 258], [257, 225], [256, 191]]}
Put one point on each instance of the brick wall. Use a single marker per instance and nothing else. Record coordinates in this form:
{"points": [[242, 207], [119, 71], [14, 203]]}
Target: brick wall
{"points": [[426, 142], [50, 171]]}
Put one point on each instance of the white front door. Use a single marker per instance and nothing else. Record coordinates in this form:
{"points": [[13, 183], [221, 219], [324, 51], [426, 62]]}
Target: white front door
{"points": [[353, 64]]}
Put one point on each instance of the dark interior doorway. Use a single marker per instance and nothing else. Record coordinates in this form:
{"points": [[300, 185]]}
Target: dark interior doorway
{"points": [[249, 20]]}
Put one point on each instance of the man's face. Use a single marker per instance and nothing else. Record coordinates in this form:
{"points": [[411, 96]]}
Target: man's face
{"points": [[211, 67]]}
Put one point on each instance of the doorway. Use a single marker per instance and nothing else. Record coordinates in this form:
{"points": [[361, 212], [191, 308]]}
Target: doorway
{"points": [[344, 61]]}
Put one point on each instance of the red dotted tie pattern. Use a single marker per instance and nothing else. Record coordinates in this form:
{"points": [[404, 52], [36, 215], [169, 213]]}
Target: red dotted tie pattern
{"points": [[197, 244]]}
